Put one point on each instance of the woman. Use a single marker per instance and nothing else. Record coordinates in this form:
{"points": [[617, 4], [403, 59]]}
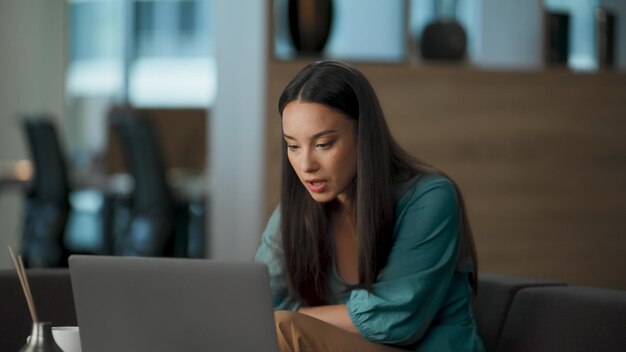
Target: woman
{"points": [[369, 250]]}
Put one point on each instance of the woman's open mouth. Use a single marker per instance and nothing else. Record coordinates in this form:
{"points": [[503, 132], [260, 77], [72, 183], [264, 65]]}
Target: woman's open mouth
{"points": [[317, 186]]}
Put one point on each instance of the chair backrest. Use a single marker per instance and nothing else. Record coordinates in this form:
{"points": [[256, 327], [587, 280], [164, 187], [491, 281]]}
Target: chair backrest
{"points": [[493, 300], [570, 318], [150, 230], [144, 158], [47, 199], [50, 176]]}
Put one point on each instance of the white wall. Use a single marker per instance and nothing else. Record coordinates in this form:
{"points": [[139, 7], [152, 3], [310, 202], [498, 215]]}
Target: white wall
{"points": [[236, 129], [367, 30], [508, 34], [32, 60]]}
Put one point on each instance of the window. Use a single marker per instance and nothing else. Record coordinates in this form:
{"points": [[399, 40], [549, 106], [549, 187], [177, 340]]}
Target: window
{"points": [[147, 52]]}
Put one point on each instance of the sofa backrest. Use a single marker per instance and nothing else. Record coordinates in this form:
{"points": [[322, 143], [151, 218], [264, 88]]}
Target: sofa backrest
{"points": [[54, 301], [512, 313], [493, 300], [570, 318]]}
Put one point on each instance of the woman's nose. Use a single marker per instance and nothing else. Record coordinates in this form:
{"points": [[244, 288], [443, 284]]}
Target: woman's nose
{"points": [[308, 163]]}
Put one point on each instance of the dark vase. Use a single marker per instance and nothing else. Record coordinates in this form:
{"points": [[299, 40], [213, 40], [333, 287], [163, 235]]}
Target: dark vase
{"points": [[557, 32], [310, 24], [443, 40]]}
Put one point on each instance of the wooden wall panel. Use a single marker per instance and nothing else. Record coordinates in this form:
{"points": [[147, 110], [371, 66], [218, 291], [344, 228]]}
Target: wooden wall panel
{"points": [[181, 132], [540, 158]]}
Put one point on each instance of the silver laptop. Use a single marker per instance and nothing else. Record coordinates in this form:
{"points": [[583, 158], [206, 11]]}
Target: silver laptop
{"points": [[166, 304]]}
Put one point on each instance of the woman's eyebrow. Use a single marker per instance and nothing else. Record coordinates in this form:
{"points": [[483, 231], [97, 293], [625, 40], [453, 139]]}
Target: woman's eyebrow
{"points": [[315, 136]]}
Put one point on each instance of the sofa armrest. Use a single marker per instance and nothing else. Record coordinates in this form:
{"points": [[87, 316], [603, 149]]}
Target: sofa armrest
{"points": [[493, 300], [570, 318]]}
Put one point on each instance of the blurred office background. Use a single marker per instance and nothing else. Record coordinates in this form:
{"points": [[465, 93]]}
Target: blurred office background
{"points": [[525, 110]]}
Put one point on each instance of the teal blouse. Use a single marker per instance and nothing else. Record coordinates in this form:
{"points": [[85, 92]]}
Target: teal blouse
{"points": [[422, 298]]}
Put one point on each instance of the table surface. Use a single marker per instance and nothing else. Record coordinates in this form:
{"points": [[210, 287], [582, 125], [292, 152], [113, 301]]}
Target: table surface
{"points": [[15, 173], [185, 184]]}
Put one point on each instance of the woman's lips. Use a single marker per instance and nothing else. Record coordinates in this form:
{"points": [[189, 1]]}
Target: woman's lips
{"points": [[317, 186]]}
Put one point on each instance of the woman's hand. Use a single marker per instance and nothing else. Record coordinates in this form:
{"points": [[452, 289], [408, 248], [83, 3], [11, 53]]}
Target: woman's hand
{"points": [[336, 315]]}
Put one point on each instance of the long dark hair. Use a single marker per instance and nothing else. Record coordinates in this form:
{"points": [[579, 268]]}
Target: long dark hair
{"points": [[382, 164]]}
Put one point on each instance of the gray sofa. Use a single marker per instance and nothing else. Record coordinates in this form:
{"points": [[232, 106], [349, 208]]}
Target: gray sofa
{"points": [[513, 313]]}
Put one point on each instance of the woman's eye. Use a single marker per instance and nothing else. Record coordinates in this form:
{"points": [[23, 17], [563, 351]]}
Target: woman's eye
{"points": [[324, 145], [292, 147]]}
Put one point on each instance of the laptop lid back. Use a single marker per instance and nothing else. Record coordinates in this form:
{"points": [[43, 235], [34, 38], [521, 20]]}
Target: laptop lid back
{"points": [[167, 304]]}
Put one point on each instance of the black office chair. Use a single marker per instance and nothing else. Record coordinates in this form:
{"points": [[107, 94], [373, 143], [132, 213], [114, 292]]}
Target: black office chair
{"points": [[57, 222], [47, 199], [150, 227]]}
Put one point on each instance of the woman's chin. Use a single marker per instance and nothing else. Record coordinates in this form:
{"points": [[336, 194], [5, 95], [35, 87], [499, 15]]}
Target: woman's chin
{"points": [[323, 197]]}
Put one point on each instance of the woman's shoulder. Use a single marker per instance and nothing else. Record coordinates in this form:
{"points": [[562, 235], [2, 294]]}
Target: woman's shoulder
{"points": [[426, 187], [272, 229]]}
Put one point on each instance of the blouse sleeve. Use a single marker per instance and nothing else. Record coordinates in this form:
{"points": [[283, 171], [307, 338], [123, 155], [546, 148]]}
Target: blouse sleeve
{"points": [[412, 286], [270, 252]]}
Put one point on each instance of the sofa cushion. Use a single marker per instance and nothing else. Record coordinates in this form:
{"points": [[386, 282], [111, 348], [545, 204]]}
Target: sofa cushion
{"points": [[494, 296], [54, 302], [568, 318]]}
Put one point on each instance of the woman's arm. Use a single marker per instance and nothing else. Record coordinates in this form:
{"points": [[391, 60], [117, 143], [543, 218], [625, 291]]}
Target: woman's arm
{"points": [[336, 315], [414, 283]]}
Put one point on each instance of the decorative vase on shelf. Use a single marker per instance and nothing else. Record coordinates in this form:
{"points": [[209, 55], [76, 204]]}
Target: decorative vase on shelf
{"points": [[444, 38], [310, 22]]}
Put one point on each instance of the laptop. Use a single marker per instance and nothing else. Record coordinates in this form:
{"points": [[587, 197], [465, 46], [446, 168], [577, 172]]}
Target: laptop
{"points": [[172, 304]]}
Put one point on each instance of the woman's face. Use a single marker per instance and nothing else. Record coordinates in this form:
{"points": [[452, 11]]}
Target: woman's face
{"points": [[322, 149]]}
